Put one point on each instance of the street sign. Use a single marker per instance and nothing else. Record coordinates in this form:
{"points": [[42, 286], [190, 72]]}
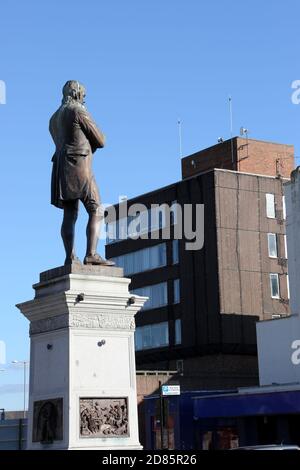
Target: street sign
{"points": [[167, 390]]}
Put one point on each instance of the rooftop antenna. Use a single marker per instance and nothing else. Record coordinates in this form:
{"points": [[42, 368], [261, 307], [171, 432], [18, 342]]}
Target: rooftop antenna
{"points": [[244, 132], [180, 137], [231, 126]]}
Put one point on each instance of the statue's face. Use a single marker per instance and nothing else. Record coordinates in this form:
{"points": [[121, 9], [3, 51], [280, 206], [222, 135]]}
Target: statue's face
{"points": [[82, 97], [81, 94]]}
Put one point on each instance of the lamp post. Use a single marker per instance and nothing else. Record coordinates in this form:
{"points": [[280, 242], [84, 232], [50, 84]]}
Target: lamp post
{"points": [[2, 410], [24, 383]]}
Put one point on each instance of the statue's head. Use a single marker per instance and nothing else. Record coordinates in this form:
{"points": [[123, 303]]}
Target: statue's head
{"points": [[73, 91]]}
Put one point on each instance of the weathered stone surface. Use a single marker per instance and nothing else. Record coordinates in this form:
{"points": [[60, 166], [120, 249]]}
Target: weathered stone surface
{"points": [[78, 268], [82, 347]]}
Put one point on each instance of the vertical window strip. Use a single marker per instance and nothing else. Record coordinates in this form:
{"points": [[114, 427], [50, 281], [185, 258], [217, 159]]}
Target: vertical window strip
{"points": [[178, 331], [176, 291]]}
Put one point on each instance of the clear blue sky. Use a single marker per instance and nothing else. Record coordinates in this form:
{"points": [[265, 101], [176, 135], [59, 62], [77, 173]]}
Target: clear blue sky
{"points": [[145, 63]]}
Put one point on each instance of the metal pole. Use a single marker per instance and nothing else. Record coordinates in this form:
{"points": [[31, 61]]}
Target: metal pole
{"points": [[231, 127], [24, 383], [180, 138], [161, 402], [20, 429], [24, 412]]}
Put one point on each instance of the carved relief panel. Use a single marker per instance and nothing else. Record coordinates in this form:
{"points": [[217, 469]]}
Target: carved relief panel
{"points": [[103, 417]]}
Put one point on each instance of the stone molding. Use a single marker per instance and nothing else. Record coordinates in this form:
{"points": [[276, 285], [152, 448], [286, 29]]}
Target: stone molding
{"points": [[105, 321]]}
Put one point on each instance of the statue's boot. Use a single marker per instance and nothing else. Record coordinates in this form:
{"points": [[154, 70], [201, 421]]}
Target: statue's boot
{"points": [[72, 259], [97, 260]]}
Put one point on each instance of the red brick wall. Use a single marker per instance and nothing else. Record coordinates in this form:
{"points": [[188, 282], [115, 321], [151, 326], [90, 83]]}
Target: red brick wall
{"points": [[265, 158], [249, 156], [218, 156]]}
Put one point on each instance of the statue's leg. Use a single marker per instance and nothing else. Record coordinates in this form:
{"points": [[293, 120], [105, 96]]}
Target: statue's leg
{"points": [[68, 229], [93, 232], [95, 211]]}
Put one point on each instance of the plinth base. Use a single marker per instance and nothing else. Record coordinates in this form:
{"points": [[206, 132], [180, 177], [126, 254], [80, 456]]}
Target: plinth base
{"points": [[82, 363]]}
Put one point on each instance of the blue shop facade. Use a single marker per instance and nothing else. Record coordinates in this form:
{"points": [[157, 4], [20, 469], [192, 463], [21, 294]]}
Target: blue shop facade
{"points": [[202, 420]]}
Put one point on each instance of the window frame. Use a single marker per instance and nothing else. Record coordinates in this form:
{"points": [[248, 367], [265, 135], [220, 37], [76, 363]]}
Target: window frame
{"points": [[271, 214], [274, 236], [285, 247], [288, 286], [276, 276], [283, 208]]}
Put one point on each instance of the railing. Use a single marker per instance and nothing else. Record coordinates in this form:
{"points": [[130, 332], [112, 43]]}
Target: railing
{"points": [[13, 434], [157, 372]]}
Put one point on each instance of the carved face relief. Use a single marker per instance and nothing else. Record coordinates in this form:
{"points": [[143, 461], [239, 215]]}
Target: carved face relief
{"points": [[47, 421]]}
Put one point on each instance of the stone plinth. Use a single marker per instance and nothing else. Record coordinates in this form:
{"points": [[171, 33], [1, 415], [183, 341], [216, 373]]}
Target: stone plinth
{"points": [[82, 391]]}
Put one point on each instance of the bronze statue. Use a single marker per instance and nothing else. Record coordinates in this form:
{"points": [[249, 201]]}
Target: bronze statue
{"points": [[76, 138]]}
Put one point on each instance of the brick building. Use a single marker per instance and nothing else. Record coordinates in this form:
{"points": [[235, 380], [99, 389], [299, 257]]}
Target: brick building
{"points": [[203, 305], [243, 155]]}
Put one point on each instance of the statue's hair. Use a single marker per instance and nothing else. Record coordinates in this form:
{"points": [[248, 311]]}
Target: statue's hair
{"points": [[73, 91]]}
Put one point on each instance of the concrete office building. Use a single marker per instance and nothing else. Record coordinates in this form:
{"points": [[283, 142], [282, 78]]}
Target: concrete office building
{"points": [[203, 305]]}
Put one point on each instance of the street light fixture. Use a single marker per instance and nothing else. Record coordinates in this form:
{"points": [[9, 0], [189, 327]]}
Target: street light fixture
{"points": [[24, 383]]}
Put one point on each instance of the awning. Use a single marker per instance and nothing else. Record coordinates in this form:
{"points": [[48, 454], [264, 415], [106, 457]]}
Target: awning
{"points": [[286, 402]]}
